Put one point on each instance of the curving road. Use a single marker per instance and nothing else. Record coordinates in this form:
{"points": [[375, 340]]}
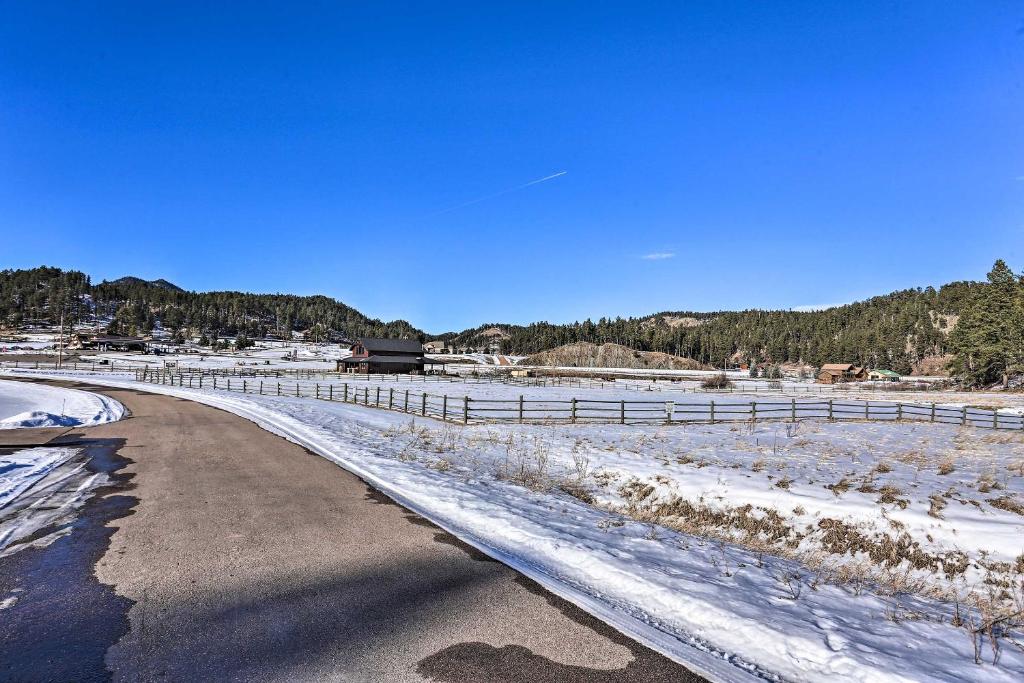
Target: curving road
{"points": [[223, 552]]}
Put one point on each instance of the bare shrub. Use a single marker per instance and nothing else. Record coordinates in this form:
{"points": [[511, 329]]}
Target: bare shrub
{"points": [[946, 466], [719, 381]]}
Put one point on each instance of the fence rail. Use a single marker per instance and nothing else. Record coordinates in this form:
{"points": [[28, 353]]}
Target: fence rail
{"points": [[655, 384], [465, 409]]}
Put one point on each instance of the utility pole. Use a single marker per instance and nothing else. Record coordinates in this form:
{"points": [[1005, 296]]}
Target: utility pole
{"points": [[60, 341]]}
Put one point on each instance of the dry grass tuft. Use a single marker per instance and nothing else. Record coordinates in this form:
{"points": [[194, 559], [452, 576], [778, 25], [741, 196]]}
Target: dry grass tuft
{"points": [[840, 487], [1007, 503]]}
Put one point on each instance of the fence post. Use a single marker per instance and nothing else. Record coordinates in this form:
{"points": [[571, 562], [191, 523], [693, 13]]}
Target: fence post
{"points": [[377, 400], [670, 408], [995, 419], [444, 408], [229, 382], [215, 381], [831, 415], [963, 420], [712, 411], [317, 390], [794, 410], [261, 387], [465, 410], [520, 409], [753, 411], [406, 409], [391, 398], [867, 410], [933, 412], [622, 412], [330, 392], [899, 412], [344, 392], [572, 416], [245, 386], [278, 388], [423, 404]]}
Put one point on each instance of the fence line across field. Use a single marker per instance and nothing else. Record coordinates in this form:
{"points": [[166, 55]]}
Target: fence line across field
{"points": [[468, 410], [655, 384]]}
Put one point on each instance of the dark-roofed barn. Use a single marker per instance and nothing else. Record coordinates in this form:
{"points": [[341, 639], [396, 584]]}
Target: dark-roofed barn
{"points": [[386, 356]]}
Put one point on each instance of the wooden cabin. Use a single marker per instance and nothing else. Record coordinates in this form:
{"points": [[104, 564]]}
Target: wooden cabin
{"points": [[387, 357], [837, 373]]}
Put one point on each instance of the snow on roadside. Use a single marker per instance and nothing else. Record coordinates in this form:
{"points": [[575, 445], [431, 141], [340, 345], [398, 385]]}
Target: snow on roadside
{"points": [[20, 469], [24, 405], [41, 488], [723, 610]]}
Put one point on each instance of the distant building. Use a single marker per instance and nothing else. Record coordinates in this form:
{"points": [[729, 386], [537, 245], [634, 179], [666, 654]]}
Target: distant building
{"points": [[884, 376], [837, 373], [437, 346], [387, 356], [111, 342]]}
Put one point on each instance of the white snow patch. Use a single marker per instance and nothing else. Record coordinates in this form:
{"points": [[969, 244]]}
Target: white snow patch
{"points": [[25, 405]]}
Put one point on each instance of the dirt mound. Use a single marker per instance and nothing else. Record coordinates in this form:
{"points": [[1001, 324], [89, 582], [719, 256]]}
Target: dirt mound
{"points": [[588, 355]]}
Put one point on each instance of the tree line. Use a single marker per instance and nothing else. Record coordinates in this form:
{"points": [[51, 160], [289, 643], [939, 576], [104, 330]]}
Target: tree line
{"points": [[980, 323], [134, 306]]}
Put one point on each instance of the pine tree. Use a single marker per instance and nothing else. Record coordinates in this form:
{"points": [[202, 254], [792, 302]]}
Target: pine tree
{"points": [[989, 338]]}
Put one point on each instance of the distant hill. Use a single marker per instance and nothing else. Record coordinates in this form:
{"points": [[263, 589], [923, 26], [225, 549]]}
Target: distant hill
{"points": [[137, 306], [587, 355], [899, 331], [132, 281]]}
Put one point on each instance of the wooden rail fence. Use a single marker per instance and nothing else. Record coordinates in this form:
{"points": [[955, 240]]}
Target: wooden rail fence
{"points": [[465, 409]]}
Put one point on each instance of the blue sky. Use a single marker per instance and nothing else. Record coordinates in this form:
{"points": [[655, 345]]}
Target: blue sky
{"points": [[705, 155]]}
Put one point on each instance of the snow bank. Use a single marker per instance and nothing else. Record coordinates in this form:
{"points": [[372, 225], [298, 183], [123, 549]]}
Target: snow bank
{"points": [[25, 405]]}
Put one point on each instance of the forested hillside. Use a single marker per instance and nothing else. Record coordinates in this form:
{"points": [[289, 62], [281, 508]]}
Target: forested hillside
{"points": [[892, 331], [136, 306]]}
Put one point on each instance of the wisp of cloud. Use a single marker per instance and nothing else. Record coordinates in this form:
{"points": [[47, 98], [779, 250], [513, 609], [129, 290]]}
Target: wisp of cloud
{"points": [[503, 192]]}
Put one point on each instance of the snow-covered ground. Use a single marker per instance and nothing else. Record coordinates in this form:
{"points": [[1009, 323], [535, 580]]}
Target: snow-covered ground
{"points": [[36, 405], [813, 551], [39, 488]]}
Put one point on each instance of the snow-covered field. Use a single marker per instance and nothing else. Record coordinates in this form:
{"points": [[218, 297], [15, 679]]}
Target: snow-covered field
{"points": [[815, 551], [35, 405]]}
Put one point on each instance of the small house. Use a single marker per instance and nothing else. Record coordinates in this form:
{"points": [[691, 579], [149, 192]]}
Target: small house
{"points": [[837, 373], [387, 356], [436, 346], [884, 376]]}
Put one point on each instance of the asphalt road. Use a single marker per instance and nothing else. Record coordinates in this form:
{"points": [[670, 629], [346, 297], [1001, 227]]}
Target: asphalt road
{"points": [[223, 552]]}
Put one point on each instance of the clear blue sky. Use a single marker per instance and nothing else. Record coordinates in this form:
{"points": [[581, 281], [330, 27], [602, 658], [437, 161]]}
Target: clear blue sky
{"points": [[774, 154]]}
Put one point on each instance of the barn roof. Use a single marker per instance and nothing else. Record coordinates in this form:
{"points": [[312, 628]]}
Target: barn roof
{"points": [[838, 367], [382, 359], [374, 345]]}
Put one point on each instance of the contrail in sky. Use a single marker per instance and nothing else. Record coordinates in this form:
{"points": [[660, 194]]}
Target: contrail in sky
{"points": [[498, 194]]}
